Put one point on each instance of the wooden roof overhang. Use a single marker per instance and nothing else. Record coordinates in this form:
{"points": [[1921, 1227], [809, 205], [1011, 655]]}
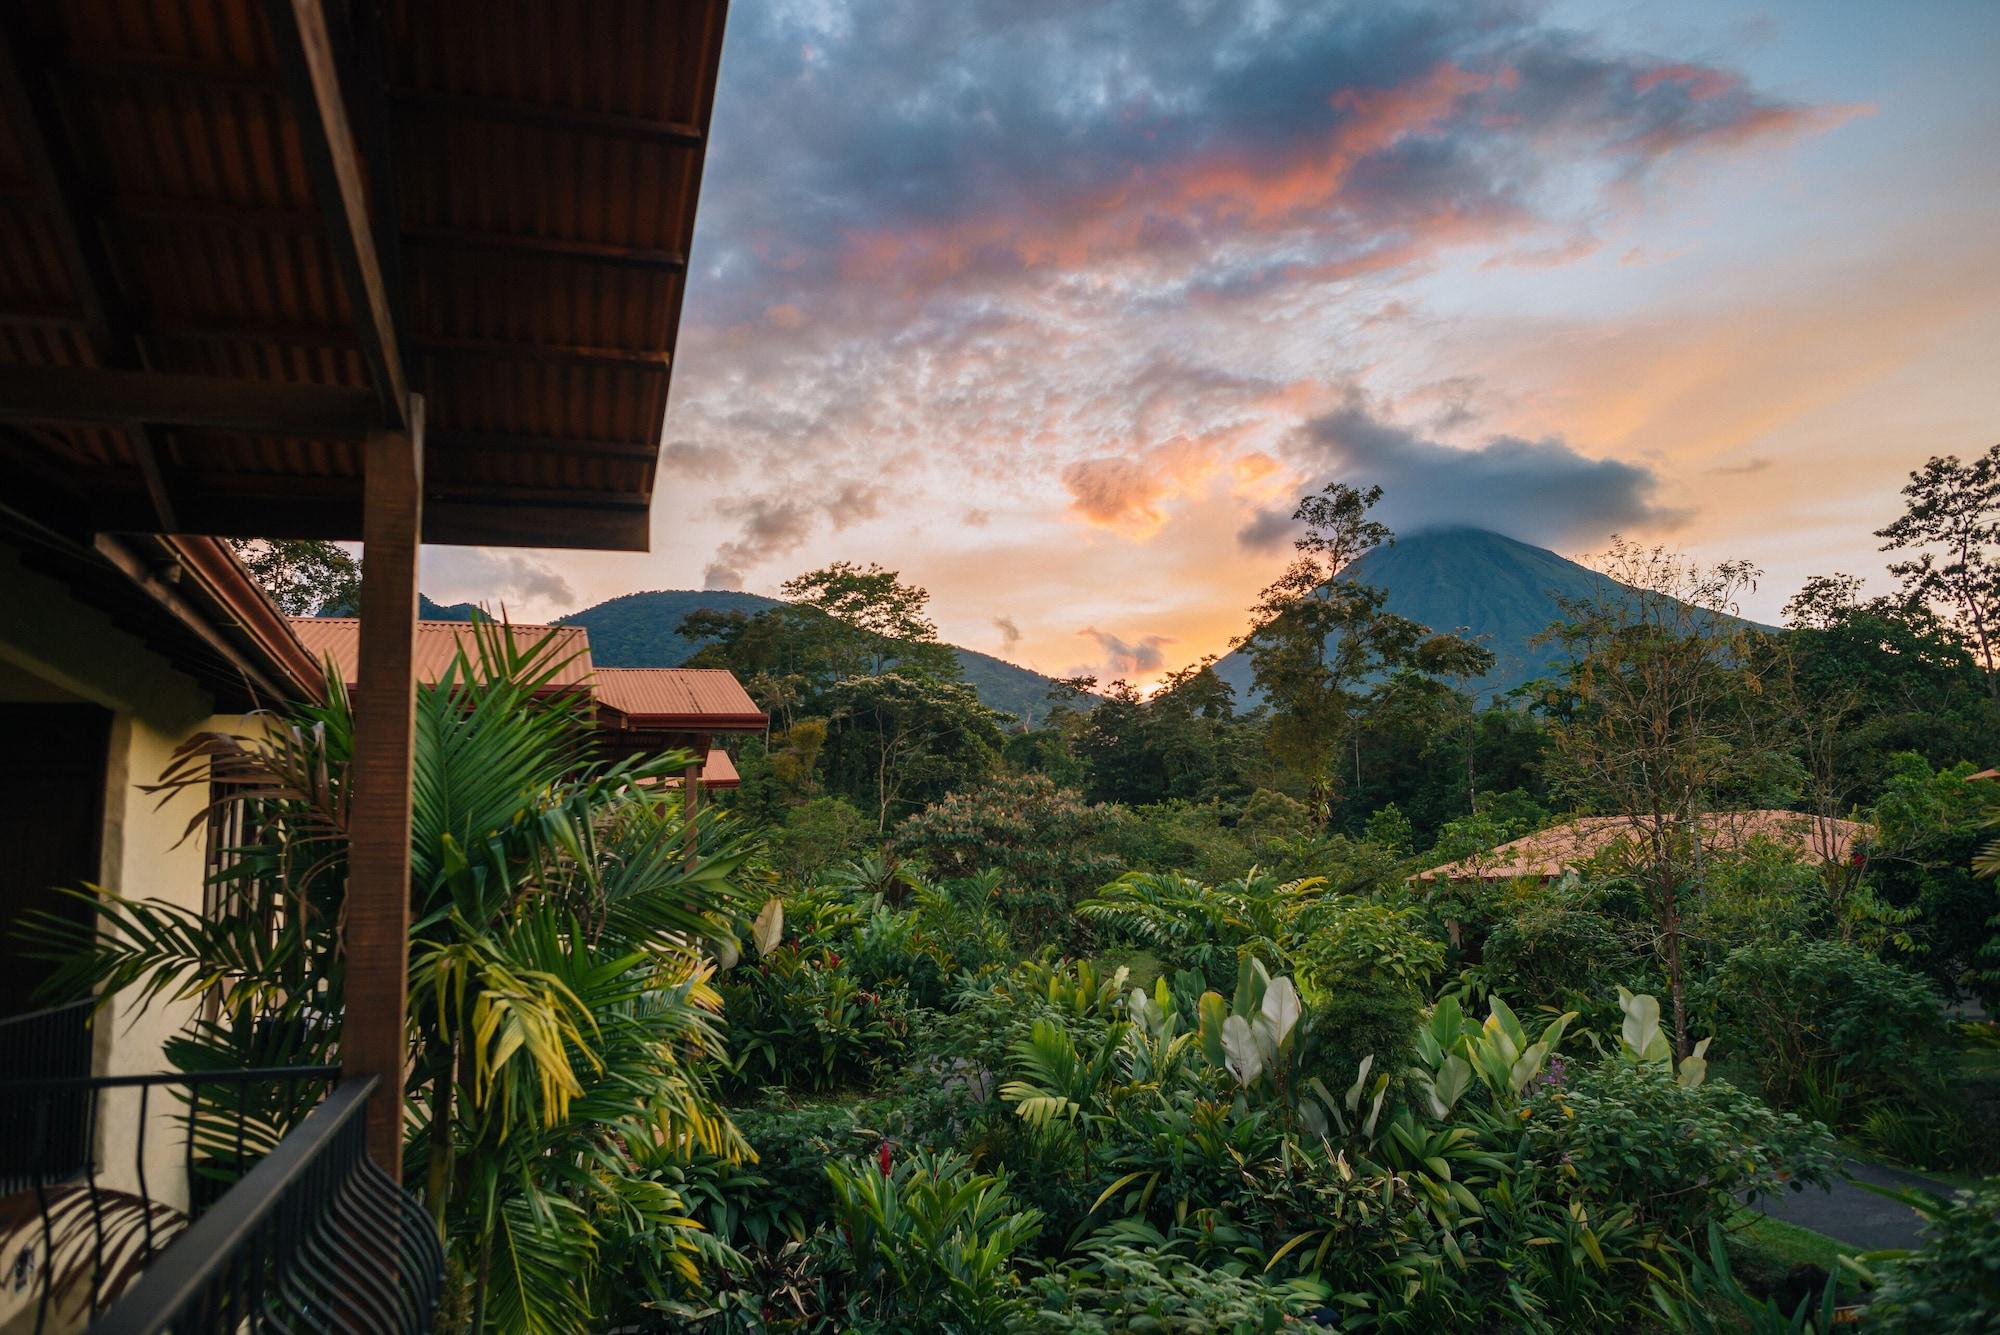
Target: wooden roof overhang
{"points": [[236, 236]]}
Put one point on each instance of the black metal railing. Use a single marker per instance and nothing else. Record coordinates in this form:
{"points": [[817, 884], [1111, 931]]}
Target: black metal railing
{"points": [[316, 1237], [52, 1044], [254, 1218]]}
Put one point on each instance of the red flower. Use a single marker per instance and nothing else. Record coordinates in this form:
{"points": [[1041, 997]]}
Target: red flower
{"points": [[882, 1158], [832, 960]]}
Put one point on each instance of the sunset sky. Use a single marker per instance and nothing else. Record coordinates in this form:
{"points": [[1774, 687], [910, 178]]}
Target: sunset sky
{"points": [[1057, 307]]}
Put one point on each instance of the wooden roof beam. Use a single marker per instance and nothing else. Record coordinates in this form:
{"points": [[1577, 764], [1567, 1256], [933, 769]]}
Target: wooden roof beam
{"points": [[544, 247], [541, 116], [305, 50], [29, 102], [119, 398], [642, 359]]}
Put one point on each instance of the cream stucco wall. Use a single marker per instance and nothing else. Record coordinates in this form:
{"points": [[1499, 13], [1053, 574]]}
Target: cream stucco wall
{"points": [[52, 648]]}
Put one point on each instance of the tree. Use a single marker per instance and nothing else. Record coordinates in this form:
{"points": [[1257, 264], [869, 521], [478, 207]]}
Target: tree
{"points": [[304, 577], [1653, 723], [1041, 837], [906, 739], [1325, 649], [884, 619], [1951, 525]]}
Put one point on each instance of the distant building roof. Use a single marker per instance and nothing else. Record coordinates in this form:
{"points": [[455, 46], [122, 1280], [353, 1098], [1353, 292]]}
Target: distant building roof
{"points": [[438, 642], [628, 699], [1551, 852], [709, 699], [717, 771]]}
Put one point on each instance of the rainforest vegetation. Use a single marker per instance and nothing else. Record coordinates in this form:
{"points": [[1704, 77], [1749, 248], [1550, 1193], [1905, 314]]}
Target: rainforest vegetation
{"points": [[1138, 1016]]}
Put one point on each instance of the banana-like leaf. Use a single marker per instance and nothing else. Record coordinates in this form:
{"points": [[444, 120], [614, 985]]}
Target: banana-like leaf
{"points": [[1353, 1099], [769, 929], [1214, 1012], [1281, 1008], [1640, 1033], [1244, 1060], [1694, 1066]]}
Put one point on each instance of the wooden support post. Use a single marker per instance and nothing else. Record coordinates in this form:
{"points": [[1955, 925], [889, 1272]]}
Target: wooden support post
{"points": [[373, 1036], [691, 806]]}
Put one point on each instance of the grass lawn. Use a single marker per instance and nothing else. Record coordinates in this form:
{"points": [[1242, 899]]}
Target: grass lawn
{"points": [[1764, 1251]]}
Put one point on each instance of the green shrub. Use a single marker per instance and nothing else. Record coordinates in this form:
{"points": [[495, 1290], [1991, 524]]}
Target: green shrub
{"points": [[816, 835], [1799, 1012], [1950, 1285], [1190, 838], [1365, 970], [802, 1021], [929, 1243], [1038, 837], [1763, 895], [794, 1143], [1555, 945], [1630, 1136], [926, 949], [1113, 1287]]}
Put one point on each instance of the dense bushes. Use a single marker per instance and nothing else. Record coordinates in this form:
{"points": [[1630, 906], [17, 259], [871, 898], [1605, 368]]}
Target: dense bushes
{"points": [[1037, 838], [1558, 944], [1676, 1155], [1813, 1016], [1951, 1285], [1367, 970]]}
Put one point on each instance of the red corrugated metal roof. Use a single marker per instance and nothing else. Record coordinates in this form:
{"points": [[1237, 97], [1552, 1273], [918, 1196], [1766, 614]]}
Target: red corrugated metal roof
{"points": [[703, 698], [438, 642]]}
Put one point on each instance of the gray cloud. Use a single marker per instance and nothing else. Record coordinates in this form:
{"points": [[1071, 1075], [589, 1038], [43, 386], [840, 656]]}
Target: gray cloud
{"points": [[883, 116], [856, 502], [1540, 491], [495, 579], [770, 528], [1010, 633], [706, 462], [1125, 657]]}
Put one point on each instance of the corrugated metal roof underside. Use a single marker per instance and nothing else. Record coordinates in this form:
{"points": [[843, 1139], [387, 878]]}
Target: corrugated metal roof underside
{"points": [[543, 159]]}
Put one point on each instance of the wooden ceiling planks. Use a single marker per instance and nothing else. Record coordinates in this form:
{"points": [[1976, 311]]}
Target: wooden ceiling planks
{"points": [[306, 211]]}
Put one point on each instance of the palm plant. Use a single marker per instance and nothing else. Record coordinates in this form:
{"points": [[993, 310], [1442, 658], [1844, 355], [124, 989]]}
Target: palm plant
{"points": [[561, 1013], [1199, 926]]}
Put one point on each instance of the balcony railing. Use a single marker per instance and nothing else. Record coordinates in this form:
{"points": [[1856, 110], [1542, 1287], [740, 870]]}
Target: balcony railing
{"points": [[44, 1138], [267, 1216]]}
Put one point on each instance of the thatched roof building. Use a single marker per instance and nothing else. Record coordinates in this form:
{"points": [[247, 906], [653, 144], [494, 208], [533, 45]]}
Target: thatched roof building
{"points": [[1548, 854]]}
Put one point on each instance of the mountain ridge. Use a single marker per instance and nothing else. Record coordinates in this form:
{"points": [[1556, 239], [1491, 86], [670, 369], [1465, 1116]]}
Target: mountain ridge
{"points": [[1497, 591]]}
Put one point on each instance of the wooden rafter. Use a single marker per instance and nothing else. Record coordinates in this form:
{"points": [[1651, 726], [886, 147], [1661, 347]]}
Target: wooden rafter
{"points": [[544, 247], [120, 398], [29, 100], [305, 50], [541, 116]]}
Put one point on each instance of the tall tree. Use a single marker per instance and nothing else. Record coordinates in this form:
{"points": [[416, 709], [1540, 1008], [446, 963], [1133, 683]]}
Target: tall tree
{"points": [[1324, 647], [1951, 527], [905, 740], [884, 619], [304, 577], [1654, 723]]}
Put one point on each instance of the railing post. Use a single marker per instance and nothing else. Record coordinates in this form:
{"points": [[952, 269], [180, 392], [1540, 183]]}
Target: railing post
{"points": [[376, 937]]}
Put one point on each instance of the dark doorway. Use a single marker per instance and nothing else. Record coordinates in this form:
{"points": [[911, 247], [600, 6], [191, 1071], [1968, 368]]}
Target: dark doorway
{"points": [[51, 826]]}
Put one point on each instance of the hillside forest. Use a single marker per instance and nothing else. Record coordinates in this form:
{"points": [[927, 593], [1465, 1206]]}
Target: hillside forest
{"points": [[1141, 1014]]}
